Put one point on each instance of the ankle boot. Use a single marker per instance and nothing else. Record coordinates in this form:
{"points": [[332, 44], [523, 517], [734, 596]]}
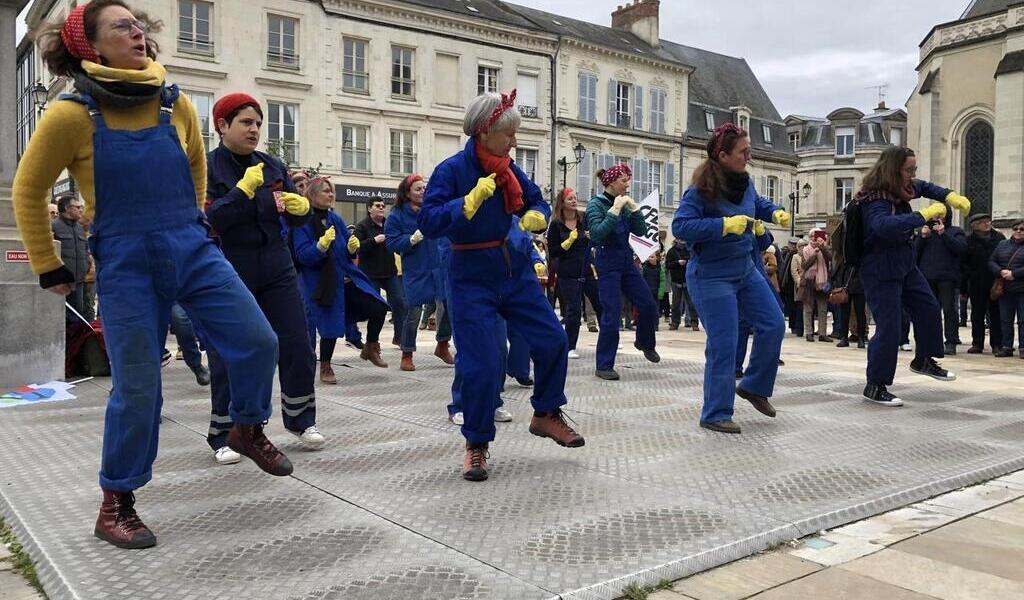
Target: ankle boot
{"points": [[327, 373], [120, 525], [443, 352], [407, 362], [371, 352], [250, 441]]}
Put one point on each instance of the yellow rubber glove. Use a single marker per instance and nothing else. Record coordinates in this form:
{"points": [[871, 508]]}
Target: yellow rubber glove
{"points": [[484, 189], [759, 228], [620, 203], [533, 220], [781, 217], [569, 241], [416, 237], [540, 270], [326, 239], [353, 244], [251, 181], [295, 204], [961, 203], [935, 211], [736, 224]]}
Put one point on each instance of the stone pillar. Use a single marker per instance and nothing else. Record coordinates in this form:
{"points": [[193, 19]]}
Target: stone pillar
{"points": [[1007, 177], [8, 89]]}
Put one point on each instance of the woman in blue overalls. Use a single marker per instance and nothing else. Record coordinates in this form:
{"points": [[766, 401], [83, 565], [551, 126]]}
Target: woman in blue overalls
{"points": [[422, 277], [470, 200], [611, 217], [725, 276], [569, 242], [144, 177], [336, 291]]}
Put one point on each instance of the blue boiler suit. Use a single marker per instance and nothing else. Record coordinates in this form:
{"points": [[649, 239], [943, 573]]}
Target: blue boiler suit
{"points": [[745, 329], [617, 275], [727, 287], [893, 283], [152, 249], [491, 282], [253, 238]]}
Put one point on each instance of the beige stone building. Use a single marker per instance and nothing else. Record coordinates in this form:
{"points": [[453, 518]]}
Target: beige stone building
{"points": [[966, 115]]}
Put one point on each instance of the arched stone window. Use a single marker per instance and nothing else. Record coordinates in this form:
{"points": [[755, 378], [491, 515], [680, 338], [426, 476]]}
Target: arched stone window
{"points": [[979, 150]]}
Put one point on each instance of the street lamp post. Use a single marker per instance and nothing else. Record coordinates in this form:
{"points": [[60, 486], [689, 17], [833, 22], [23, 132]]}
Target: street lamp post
{"points": [[794, 203], [580, 152], [40, 95]]}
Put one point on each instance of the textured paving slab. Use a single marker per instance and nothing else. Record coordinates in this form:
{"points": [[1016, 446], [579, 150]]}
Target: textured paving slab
{"points": [[382, 513]]}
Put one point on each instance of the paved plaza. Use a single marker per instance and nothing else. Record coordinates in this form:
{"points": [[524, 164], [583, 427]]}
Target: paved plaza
{"points": [[382, 513]]}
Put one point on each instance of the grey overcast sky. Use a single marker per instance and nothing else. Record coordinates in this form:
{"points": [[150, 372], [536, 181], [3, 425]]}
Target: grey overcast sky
{"points": [[812, 56]]}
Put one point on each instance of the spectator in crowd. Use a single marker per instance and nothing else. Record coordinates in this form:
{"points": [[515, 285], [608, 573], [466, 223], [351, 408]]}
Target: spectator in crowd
{"points": [[54, 210], [981, 244], [675, 264], [74, 249], [941, 248], [651, 270], [788, 286], [189, 347], [771, 267], [1008, 265], [378, 262], [300, 179], [815, 259], [569, 243]]}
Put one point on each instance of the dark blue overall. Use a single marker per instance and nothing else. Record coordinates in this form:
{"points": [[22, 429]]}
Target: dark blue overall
{"points": [[152, 249]]}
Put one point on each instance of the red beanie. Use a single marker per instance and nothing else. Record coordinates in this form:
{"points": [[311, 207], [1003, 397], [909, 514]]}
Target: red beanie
{"points": [[230, 103]]}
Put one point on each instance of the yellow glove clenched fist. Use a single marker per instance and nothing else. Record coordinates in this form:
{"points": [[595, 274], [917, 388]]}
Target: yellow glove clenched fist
{"points": [[540, 270], [251, 181], [935, 211], [533, 221], [736, 224], [961, 203], [573, 236], [781, 217], [326, 239], [484, 189], [759, 228], [353, 244], [295, 204]]}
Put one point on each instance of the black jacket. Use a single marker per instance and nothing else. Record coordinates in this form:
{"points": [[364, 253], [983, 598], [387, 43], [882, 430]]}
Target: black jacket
{"points": [[940, 256], [374, 259], [574, 263], [676, 271], [1009, 254], [74, 250], [979, 252]]}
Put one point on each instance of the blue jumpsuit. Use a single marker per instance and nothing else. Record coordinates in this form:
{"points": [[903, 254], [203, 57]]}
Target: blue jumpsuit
{"points": [[152, 249], [893, 283], [490, 282], [762, 242], [727, 286], [617, 275], [253, 239]]}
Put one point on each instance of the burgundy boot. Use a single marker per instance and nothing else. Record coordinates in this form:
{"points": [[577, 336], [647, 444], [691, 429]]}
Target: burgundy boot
{"points": [[120, 525], [250, 441]]}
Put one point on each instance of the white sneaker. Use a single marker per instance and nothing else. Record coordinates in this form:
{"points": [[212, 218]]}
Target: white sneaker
{"points": [[311, 438], [501, 415], [906, 348], [573, 354], [457, 418], [226, 456]]}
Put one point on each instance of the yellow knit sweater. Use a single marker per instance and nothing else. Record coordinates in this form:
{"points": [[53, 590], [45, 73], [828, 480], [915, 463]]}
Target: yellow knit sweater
{"points": [[63, 140]]}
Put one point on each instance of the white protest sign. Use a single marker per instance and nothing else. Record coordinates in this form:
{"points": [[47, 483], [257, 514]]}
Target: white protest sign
{"points": [[646, 245]]}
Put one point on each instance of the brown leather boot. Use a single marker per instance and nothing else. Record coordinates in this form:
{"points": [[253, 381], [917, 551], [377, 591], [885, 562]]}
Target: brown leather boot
{"points": [[407, 362], [474, 464], [371, 352], [250, 441], [327, 373], [552, 425], [120, 525], [443, 351]]}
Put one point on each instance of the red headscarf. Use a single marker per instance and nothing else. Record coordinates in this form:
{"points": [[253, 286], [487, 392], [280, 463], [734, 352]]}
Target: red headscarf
{"points": [[718, 138], [74, 38], [613, 173]]}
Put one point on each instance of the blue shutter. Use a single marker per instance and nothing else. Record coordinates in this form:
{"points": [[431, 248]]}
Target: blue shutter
{"points": [[611, 101], [638, 107], [584, 177], [638, 175], [582, 85], [592, 98], [670, 183]]}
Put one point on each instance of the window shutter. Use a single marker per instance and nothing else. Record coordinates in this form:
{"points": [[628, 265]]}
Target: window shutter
{"points": [[611, 101], [585, 178], [582, 85], [592, 99], [670, 183], [638, 109]]}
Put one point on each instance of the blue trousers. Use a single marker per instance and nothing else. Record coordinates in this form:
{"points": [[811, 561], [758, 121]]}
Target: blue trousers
{"points": [[745, 331], [617, 275], [188, 341], [487, 286], [137, 293], [410, 328], [1012, 305], [500, 335], [392, 287], [888, 300], [517, 355], [570, 294], [720, 304]]}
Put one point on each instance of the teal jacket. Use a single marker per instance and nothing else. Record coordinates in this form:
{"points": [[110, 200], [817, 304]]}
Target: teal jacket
{"points": [[610, 230]]}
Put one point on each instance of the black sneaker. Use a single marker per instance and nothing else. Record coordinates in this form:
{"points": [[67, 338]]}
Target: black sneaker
{"points": [[975, 350], [651, 355], [1003, 353], [950, 350], [931, 369], [843, 344], [877, 394], [739, 373], [525, 382], [607, 374]]}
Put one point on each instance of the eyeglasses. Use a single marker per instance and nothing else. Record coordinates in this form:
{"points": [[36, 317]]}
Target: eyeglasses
{"points": [[125, 25], [1018, 228]]}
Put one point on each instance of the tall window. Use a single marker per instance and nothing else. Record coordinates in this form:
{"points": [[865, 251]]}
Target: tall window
{"points": [[354, 77], [658, 98], [585, 178], [771, 188], [709, 120], [402, 83], [526, 84], [588, 97], [26, 73], [195, 20], [844, 192], [979, 150], [766, 131], [445, 73], [845, 141], [282, 41], [794, 141], [744, 123], [487, 79], [896, 136], [623, 104], [355, 148], [204, 108], [403, 152], [282, 131], [527, 161], [655, 179]]}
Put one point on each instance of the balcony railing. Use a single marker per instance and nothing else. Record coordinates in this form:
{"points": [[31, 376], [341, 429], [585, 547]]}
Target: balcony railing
{"points": [[195, 46], [287, 59], [624, 121], [530, 112], [355, 81]]}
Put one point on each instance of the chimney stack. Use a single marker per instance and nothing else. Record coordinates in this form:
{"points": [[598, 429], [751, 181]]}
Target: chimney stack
{"points": [[881, 107], [641, 19]]}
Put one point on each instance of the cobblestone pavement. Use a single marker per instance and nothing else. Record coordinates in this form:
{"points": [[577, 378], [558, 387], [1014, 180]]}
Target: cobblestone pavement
{"points": [[381, 512]]}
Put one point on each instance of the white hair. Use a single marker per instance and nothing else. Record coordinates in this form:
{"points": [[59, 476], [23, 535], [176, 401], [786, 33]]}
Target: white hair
{"points": [[480, 110]]}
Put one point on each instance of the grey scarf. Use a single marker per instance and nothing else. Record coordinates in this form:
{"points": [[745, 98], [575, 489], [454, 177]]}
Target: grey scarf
{"points": [[116, 94]]}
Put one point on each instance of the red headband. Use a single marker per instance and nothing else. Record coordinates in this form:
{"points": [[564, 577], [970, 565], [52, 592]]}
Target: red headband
{"points": [[507, 101], [718, 138], [613, 173], [411, 179], [565, 193], [74, 38]]}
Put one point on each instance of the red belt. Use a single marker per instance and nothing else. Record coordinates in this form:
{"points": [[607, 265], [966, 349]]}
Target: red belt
{"points": [[479, 245]]}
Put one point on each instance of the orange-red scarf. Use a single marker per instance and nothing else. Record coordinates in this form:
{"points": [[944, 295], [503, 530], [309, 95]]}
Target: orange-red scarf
{"points": [[506, 178]]}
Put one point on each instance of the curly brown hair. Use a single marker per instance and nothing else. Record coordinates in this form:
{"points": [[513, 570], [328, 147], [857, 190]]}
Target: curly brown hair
{"points": [[886, 176], [55, 54]]}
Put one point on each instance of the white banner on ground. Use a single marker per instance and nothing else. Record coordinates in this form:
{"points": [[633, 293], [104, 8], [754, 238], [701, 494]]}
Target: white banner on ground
{"points": [[646, 245]]}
